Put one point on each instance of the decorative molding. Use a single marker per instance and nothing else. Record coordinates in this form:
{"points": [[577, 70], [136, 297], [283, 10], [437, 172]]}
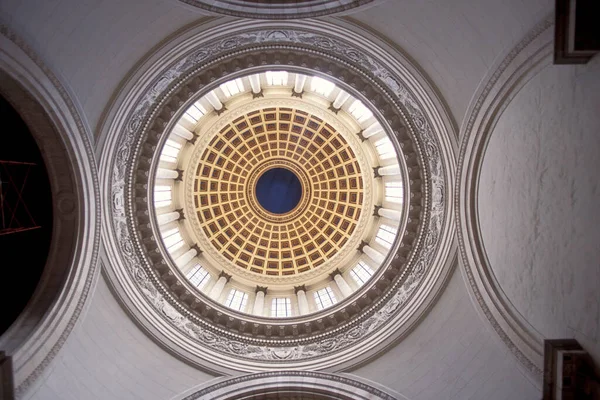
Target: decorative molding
{"points": [[429, 135], [36, 350], [298, 383], [531, 54], [269, 10]]}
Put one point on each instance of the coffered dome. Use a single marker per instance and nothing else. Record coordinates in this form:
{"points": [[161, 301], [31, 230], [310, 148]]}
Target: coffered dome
{"points": [[226, 191], [219, 165]]}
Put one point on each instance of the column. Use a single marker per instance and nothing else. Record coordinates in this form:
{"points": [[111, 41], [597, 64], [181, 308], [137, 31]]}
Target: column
{"points": [[186, 257], [255, 83], [168, 217], [299, 83], [372, 130], [214, 101], [389, 170], [340, 99], [373, 254], [302, 301], [163, 173], [341, 282], [183, 132], [393, 215], [217, 289], [259, 301]]}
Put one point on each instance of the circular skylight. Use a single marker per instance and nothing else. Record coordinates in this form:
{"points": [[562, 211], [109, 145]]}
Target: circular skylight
{"points": [[278, 190]]}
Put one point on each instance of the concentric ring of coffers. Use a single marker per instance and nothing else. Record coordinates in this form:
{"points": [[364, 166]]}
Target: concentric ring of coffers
{"points": [[202, 330], [279, 246]]}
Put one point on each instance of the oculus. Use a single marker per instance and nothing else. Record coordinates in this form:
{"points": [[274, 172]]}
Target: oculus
{"points": [[278, 190]]}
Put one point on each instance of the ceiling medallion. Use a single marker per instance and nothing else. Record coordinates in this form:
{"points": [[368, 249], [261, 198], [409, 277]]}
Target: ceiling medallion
{"points": [[351, 330]]}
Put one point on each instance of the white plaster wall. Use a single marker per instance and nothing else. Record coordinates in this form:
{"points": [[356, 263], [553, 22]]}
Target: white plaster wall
{"points": [[455, 42], [538, 203], [108, 357], [92, 44], [451, 355]]}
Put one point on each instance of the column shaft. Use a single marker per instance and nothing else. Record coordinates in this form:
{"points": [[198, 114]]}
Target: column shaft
{"points": [[259, 303], [373, 254], [167, 217], [185, 258], [302, 302], [393, 215], [342, 285], [217, 289], [389, 170], [163, 173]]}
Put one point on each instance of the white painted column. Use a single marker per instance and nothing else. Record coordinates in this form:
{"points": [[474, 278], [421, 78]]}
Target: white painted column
{"points": [[372, 130], [342, 284], [168, 217], [163, 173], [183, 132], [299, 83], [389, 170], [393, 215], [373, 254], [217, 289], [340, 99], [259, 302], [302, 301], [186, 258], [214, 100], [255, 83]]}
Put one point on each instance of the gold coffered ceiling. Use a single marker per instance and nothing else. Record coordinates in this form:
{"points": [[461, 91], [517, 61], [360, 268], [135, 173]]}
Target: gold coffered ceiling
{"points": [[278, 244]]}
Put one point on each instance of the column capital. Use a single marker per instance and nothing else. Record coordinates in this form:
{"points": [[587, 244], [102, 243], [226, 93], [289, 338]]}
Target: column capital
{"points": [[361, 136], [333, 109], [197, 248], [297, 94], [179, 175], [181, 214], [261, 289], [334, 273], [376, 211], [221, 110], [361, 246], [299, 288], [225, 275], [376, 172]]}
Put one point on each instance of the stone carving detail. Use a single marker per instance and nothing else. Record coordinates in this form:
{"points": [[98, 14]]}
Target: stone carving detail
{"points": [[434, 194]]}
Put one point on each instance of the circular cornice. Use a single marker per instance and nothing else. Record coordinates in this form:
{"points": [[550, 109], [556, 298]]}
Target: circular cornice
{"points": [[278, 9], [296, 384], [504, 81], [358, 326]]}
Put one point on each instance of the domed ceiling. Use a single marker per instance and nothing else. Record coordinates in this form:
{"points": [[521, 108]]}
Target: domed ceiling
{"points": [[287, 203], [264, 242]]}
